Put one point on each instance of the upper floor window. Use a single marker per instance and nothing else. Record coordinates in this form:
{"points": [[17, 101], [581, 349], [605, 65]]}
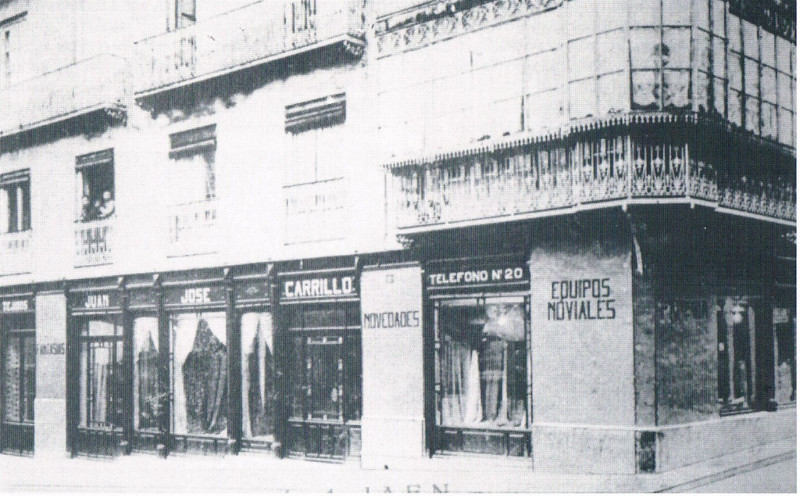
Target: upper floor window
{"points": [[15, 201], [302, 15], [193, 153], [10, 47], [95, 182], [185, 13]]}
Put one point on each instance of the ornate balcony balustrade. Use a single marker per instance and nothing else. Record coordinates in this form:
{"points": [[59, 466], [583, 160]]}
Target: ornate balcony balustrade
{"points": [[15, 253], [554, 178], [244, 37], [193, 229], [98, 83], [94, 242]]}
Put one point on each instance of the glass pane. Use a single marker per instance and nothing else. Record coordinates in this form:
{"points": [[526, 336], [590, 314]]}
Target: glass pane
{"points": [[482, 365], [751, 77], [676, 89], [645, 49], [644, 12], [258, 375], [768, 48], [735, 107], [352, 377], [785, 127], [734, 33], [581, 98], [701, 14], [735, 71], [677, 12], [769, 120], [146, 398], [752, 114], [719, 56], [538, 73], [676, 48], [702, 51], [720, 95], [101, 384], [323, 373], [701, 88], [581, 58], [610, 14], [29, 393], [783, 55], [199, 373], [646, 89], [543, 109], [769, 85], [750, 39], [718, 14], [612, 94], [297, 392], [611, 52], [785, 90], [101, 327], [12, 362], [581, 20]]}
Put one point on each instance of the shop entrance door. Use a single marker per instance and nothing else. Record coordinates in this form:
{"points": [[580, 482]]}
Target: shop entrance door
{"points": [[19, 389]]}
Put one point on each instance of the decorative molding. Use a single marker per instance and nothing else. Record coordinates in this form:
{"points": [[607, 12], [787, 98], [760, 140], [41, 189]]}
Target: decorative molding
{"points": [[443, 24]]}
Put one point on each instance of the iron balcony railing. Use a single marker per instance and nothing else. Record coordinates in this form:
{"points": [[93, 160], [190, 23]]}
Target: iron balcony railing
{"points": [[552, 178], [15, 253], [93, 84], [94, 242], [243, 37], [193, 229]]}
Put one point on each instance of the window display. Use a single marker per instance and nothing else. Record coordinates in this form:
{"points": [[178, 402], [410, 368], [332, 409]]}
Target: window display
{"points": [[481, 364], [199, 372], [258, 376], [101, 382], [19, 377], [146, 397]]}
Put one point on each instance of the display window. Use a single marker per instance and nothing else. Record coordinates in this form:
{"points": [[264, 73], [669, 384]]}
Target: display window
{"points": [[784, 322], [736, 324], [146, 394], [18, 381], [481, 369], [199, 373], [258, 376], [101, 373]]}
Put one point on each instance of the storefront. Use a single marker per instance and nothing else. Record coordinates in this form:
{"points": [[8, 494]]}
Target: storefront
{"points": [[18, 365], [320, 312], [480, 325], [96, 374]]}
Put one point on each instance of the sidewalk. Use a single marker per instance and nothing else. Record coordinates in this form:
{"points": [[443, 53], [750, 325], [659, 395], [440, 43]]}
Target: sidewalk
{"points": [[249, 472]]}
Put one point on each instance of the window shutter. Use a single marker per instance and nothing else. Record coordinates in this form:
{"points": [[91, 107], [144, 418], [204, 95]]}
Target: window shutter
{"points": [[192, 141], [312, 114]]}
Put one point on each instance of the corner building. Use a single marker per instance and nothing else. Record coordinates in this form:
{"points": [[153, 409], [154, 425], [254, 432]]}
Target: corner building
{"points": [[557, 234]]}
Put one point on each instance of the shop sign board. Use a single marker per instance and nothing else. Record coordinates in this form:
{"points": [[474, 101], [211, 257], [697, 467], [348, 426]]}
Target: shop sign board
{"points": [[95, 301], [454, 275], [316, 287], [16, 304], [581, 299], [209, 294]]}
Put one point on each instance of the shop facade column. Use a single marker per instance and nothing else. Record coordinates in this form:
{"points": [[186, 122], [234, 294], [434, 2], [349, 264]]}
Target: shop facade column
{"points": [[582, 349], [50, 419], [393, 421]]}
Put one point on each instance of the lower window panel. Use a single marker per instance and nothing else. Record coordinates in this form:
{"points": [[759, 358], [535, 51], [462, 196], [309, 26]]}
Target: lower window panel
{"points": [[482, 441], [98, 442], [324, 440], [16, 438], [205, 445]]}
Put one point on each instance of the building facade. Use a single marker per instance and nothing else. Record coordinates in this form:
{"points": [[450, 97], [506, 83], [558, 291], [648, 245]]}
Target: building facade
{"points": [[555, 232]]}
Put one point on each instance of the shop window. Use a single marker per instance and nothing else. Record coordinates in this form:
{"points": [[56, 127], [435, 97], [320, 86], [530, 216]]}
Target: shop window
{"points": [[102, 377], [784, 322], [146, 394], [258, 376], [736, 338], [19, 376], [199, 373], [482, 364], [15, 201], [95, 183], [193, 154]]}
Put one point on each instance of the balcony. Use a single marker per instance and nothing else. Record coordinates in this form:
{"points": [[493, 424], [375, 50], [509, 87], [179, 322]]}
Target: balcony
{"points": [[94, 243], [93, 84], [255, 34], [193, 229], [559, 176], [15, 253]]}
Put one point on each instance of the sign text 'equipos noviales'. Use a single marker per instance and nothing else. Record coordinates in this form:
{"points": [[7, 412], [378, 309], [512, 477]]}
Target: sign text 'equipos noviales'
{"points": [[581, 299], [319, 287]]}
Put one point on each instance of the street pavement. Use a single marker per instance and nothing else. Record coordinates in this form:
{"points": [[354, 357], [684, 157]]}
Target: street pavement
{"points": [[767, 468]]}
